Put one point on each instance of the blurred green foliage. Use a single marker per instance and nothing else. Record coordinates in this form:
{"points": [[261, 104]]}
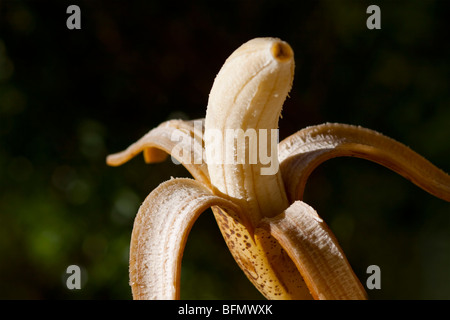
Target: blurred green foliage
{"points": [[70, 97]]}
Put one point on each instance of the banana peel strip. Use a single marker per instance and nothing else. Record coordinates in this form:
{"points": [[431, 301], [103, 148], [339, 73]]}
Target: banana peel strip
{"points": [[305, 150], [316, 253], [159, 235], [179, 138]]}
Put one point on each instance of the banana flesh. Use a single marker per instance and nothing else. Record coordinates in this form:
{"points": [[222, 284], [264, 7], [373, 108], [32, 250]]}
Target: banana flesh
{"points": [[248, 94]]}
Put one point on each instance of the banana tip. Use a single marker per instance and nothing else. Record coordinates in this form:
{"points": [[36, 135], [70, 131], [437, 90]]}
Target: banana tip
{"points": [[282, 51]]}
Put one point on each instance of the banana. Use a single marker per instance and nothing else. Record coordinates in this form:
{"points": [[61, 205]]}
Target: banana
{"points": [[254, 185]]}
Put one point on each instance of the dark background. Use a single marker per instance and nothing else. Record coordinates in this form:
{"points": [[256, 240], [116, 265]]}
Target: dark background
{"points": [[70, 97]]}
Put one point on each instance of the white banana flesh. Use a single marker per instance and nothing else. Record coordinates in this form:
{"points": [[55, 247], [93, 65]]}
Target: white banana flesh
{"points": [[248, 94]]}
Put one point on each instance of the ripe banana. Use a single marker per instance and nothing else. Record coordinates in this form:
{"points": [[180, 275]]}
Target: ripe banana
{"points": [[282, 245]]}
